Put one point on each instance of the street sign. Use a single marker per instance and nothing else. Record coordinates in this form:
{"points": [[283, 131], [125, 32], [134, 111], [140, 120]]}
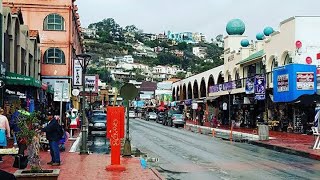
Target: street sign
{"points": [[61, 92], [128, 91], [1, 84]]}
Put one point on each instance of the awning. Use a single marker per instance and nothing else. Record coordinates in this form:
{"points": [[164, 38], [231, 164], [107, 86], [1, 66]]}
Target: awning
{"points": [[212, 98], [22, 80], [252, 57]]}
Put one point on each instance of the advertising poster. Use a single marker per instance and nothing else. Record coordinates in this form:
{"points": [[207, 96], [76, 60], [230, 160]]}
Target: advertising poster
{"points": [[259, 86], [283, 82], [250, 85], [305, 81]]}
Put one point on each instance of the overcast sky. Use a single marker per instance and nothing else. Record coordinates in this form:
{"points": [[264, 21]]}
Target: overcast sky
{"points": [[207, 16]]}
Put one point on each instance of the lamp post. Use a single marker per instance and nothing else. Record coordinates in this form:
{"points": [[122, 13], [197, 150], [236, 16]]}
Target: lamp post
{"points": [[83, 61], [229, 91], [264, 63]]}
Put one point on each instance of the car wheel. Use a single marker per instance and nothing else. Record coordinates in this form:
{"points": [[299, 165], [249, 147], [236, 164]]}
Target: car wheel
{"points": [[176, 126]]}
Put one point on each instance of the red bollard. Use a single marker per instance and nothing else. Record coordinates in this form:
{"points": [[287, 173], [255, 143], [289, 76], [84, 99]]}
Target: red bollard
{"points": [[115, 132]]}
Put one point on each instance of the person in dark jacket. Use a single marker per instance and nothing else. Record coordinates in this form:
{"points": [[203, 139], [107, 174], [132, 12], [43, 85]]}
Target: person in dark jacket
{"points": [[52, 134]]}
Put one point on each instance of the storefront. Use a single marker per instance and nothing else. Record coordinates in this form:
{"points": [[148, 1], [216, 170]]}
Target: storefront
{"points": [[21, 92], [295, 94]]}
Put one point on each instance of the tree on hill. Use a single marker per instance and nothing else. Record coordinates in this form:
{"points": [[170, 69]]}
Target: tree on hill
{"points": [[181, 75]]}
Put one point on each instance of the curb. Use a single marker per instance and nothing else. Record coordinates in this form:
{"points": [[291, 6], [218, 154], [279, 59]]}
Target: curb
{"points": [[75, 145], [286, 150], [156, 172]]}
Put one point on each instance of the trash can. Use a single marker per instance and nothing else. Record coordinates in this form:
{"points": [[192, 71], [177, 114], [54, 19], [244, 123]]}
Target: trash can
{"points": [[263, 131]]}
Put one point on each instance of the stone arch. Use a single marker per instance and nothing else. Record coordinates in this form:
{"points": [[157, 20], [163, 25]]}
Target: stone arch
{"points": [[203, 90], [220, 79], [210, 82], [195, 89], [189, 91], [228, 76], [285, 58], [184, 91]]}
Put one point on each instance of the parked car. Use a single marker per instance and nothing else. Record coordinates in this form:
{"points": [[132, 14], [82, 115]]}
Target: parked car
{"points": [[98, 122], [99, 111], [151, 116], [178, 120], [132, 114], [161, 117]]}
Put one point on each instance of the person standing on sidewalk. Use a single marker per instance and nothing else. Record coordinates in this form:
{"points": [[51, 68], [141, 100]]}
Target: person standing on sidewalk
{"points": [[52, 134], [4, 129]]}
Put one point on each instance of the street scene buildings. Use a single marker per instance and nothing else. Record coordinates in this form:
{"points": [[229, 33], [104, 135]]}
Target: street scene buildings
{"points": [[88, 98]]}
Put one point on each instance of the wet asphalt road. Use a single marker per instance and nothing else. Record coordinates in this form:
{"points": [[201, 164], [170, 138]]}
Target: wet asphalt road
{"points": [[98, 143], [186, 155]]}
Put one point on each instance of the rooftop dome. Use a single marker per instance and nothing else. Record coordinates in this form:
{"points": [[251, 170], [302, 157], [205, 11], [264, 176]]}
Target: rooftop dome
{"points": [[235, 27], [260, 36], [268, 30], [244, 43]]}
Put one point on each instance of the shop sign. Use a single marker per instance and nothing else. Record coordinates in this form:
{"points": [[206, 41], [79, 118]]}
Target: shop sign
{"points": [[194, 105], [259, 86], [188, 102], [77, 72], [305, 81], [222, 87], [250, 85], [17, 93], [283, 83]]}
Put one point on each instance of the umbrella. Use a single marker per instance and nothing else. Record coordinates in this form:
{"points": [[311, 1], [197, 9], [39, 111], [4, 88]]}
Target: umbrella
{"points": [[161, 108]]}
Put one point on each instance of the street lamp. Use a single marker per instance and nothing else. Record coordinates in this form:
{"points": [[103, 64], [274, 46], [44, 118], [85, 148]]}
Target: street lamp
{"points": [[229, 91], [264, 63], [83, 60]]}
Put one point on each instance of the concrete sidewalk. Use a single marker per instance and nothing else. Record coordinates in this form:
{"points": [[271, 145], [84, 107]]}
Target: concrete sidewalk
{"points": [[89, 167], [297, 144]]}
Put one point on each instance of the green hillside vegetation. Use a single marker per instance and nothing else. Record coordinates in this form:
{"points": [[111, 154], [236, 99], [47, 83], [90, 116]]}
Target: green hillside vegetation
{"points": [[112, 41]]}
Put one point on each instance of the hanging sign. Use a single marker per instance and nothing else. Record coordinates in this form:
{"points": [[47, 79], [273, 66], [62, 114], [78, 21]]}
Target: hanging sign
{"points": [[259, 86], [305, 81], [77, 72], [250, 85]]}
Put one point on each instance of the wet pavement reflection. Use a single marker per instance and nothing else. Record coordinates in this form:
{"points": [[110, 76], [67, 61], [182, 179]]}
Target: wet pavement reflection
{"points": [[98, 143]]}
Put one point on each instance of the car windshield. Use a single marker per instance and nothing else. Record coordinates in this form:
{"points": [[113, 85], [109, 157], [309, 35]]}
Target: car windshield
{"points": [[178, 115], [99, 117], [153, 113]]}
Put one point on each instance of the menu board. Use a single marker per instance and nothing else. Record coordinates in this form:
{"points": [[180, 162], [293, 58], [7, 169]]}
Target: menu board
{"points": [[305, 81], [283, 83]]}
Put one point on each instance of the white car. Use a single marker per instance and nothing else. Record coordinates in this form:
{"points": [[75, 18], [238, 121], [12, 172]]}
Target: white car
{"points": [[152, 116], [132, 114]]}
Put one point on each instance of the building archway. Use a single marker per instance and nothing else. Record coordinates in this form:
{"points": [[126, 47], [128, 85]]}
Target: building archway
{"points": [[184, 92], [203, 91], [195, 90], [189, 91], [220, 78], [210, 83]]}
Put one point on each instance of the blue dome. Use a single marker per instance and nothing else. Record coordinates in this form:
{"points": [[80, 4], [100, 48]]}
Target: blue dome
{"points": [[235, 27], [268, 30], [244, 43], [260, 36]]}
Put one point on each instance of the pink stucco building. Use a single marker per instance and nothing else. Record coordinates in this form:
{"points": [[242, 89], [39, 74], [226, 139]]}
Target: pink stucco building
{"points": [[59, 28]]}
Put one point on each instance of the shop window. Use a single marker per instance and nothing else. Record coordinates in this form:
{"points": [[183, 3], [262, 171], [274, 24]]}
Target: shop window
{"points": [[54, 56], [54, 22]]}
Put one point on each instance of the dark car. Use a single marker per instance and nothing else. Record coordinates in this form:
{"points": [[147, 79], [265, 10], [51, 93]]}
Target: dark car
{"points": [[161, 117], [98, 122]]}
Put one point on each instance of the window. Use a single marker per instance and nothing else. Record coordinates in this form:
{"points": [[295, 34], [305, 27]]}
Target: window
{"points": [[54, 22], [287, 60], [54, 56]]}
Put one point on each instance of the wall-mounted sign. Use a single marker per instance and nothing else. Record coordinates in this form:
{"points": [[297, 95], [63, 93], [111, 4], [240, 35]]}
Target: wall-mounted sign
{"points": [[259, 86], [77, 72], [283, 83], [17, 93], [305, 80], [250, 85]]}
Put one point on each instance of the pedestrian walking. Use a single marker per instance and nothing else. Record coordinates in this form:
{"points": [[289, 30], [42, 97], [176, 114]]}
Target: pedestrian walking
{"points": [[4, 130], [53, 136]]}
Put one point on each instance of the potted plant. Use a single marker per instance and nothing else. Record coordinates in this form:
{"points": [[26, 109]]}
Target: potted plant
{"points": [[28, 124]]}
